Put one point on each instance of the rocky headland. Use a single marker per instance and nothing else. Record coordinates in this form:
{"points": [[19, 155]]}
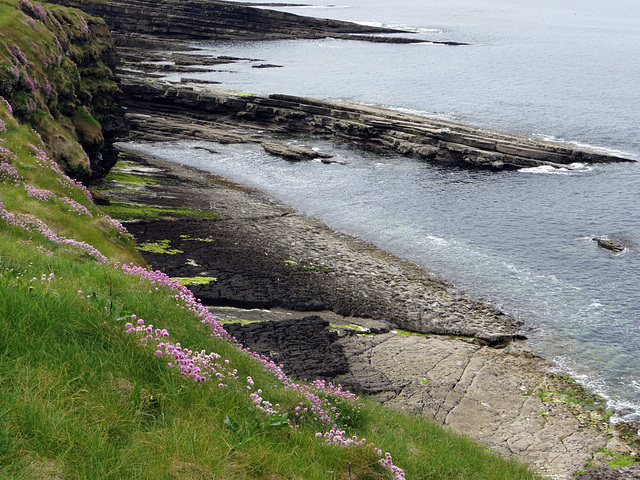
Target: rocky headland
{"points": [[220, 20], [158, 109]]}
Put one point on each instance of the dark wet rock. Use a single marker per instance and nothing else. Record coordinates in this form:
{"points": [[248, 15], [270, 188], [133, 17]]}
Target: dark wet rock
{"points": [[630, 472], [198, 81], [266, 65], [305, 347], [292, 152], [401, 40], [611, 245]]}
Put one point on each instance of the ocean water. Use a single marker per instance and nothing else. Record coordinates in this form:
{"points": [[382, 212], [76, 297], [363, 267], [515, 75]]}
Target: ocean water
{"points": [[564, 71]]}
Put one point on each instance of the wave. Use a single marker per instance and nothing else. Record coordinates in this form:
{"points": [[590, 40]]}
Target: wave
{"points": [[545, 169], [397, 26], [437, 240], [316, 6], [623, 410], [584, 146], [548, 169]]}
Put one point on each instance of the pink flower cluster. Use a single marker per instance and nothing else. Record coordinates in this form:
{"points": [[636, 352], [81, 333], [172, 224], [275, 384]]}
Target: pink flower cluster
{"points": [[3, 126], [319, 396], [7, 154], [199, 366], [183, 294], [32, 8], [76, 207], [260, 403], [84, 27], [30, 22], [387, 462], [44, 277], [39, 193], [44, 161], [6, 104], [45, 231], [31, 223], [116, 224], [335, 436], [19, 55], [9, 173], [12, 219]]}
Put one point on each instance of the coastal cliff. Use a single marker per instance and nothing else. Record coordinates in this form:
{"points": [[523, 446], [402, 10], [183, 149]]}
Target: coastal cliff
{"points": [[88, 388], [86, 400], [56, 73]]}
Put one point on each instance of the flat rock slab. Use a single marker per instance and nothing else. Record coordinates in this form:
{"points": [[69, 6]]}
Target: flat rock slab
{"points": [[495, 397]]}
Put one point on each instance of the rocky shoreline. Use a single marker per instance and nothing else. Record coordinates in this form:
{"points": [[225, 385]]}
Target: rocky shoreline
{"points": [[323, 304], [330, 306]]}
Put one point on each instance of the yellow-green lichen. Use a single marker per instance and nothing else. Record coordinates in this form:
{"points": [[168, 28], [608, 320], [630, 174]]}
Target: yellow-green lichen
{"points": [[407, 332], [239, 320], [161, 246], [196, 239], [186, 281], [127, 211]]}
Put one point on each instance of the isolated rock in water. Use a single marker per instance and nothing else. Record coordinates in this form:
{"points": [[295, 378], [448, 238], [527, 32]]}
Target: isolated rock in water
{"points": [[612, 245], [292, 152]]}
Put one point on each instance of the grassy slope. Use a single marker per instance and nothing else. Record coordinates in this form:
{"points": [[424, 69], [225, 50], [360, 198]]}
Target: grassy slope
{"points": [[80, 398]]}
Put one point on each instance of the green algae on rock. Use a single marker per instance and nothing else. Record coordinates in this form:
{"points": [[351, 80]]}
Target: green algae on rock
{"points": [[161, 246]]}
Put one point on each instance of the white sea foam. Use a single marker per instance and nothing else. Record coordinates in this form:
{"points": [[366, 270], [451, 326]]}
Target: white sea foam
{"points": [[583, 146], [623, 410], [546, 169], [437, 240], [317, 6], [443, 116], [397, 26]]}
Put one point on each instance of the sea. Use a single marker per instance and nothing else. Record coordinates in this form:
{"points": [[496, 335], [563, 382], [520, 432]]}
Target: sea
{"points": [[565, 71]]}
